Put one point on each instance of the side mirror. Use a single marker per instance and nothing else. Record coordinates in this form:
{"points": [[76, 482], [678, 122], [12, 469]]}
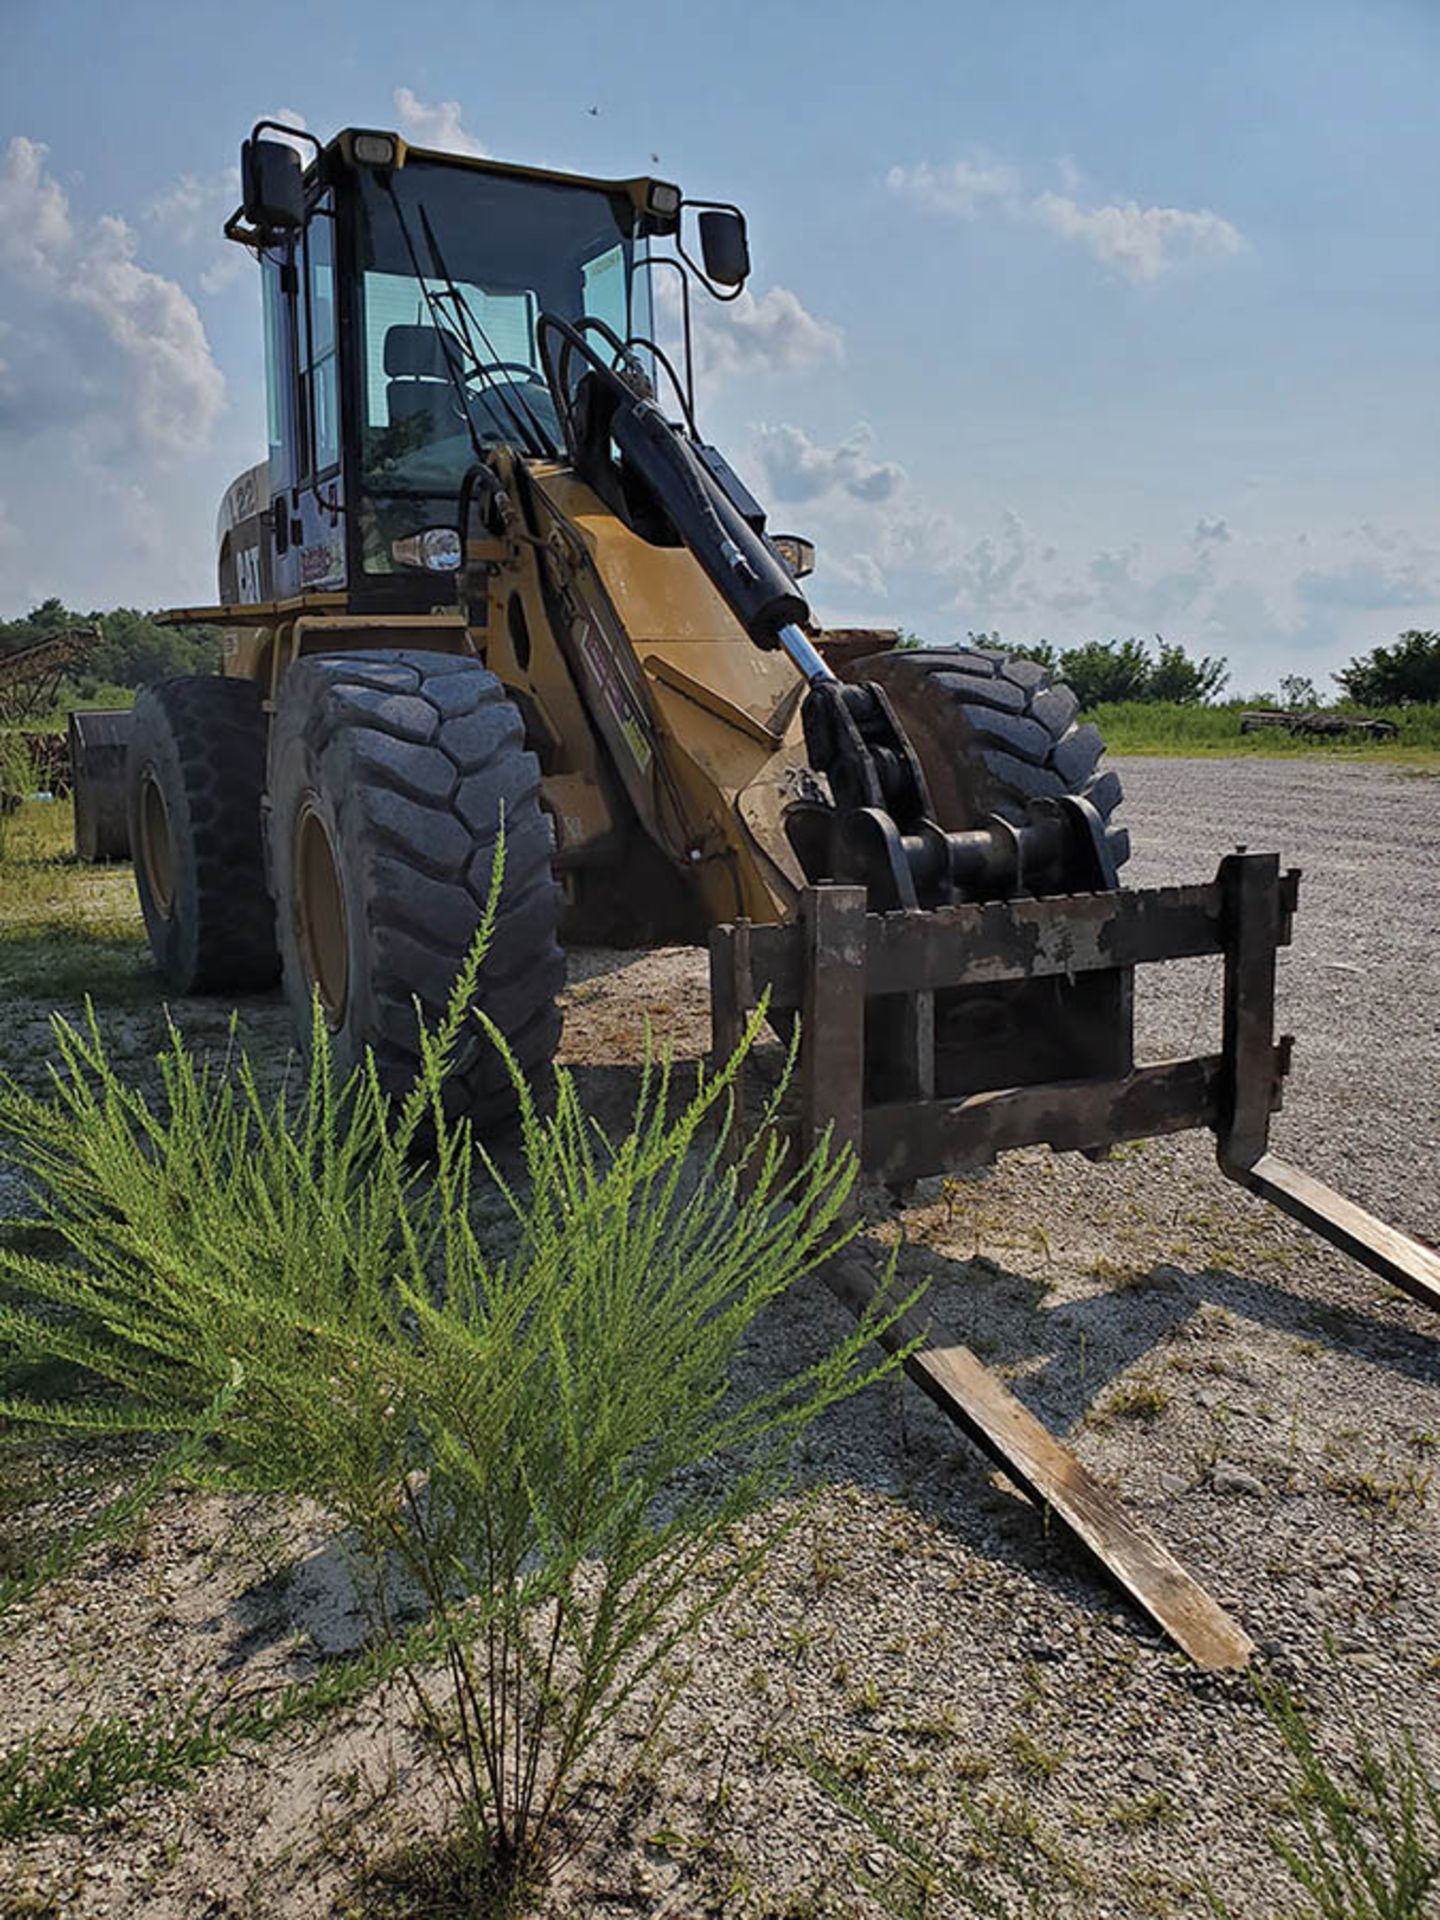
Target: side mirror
{"points": [[796, 551], [272, 186], [724, 248]]}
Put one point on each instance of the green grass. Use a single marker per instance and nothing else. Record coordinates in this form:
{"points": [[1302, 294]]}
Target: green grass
{"points": [[1155, 727], [66, 929], [1132, 1400]]}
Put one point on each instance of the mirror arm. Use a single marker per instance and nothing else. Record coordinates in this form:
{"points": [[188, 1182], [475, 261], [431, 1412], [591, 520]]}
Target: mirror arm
{"points": [[290, 133], [664, 260], [723, 294]]}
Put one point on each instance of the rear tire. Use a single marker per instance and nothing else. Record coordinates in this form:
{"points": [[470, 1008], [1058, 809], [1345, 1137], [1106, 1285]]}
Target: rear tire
{"points": [[99, 750], [194, 774], [389, 773]]}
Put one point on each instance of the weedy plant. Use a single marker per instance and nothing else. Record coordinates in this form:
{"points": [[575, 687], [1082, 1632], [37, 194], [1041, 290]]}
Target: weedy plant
{"points": [[1368, 1849], [548, 1447]]}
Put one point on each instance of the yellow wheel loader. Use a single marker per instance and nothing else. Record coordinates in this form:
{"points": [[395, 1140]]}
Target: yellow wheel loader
{"points": [[489, 569]]}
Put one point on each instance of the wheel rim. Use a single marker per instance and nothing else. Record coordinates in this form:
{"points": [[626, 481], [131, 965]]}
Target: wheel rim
{"points": [[319, 907], [157, 843]]}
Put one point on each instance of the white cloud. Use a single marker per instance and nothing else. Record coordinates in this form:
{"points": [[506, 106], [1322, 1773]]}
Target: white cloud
{"points": [[192, 214], [963, 187], [1369, 584], [167, 390], [796, 468], [436, 126], [860, 571], [224, 270], [1139, 242], [775, 334], [193, 209], [1217, 530]]}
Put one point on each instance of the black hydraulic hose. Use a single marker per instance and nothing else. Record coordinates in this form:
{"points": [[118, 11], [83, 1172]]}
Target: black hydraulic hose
{"points": [[748, 576], [752, 581]]}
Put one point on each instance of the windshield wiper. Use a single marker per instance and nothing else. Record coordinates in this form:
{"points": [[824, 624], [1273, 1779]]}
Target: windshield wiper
{"points": [[522, 415], [530, 430]]}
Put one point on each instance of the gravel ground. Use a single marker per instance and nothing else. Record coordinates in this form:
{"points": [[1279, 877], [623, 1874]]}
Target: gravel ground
{"points": [[1360, 988], [1271, 1410]]}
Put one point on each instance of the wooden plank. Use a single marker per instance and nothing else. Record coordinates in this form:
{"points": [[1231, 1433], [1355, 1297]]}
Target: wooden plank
{"points": [[832, 1031], [1405, 1263], [1049, 1473], [906, 1141]]}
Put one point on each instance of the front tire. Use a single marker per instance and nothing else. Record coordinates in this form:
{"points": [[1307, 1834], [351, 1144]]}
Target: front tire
{"points": [[390, 772], [992, 732], [194, 773]]}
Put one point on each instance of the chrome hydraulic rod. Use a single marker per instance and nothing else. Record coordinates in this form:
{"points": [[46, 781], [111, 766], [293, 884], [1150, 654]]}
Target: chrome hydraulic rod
{"points": [[803, 654]]}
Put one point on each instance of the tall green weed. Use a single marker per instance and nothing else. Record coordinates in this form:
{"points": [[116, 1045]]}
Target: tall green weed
{"points": [[544, 1441]]}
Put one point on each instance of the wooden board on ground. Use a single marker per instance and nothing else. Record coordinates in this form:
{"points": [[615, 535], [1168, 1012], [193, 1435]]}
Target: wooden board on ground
{"points": [[964, 1389]]}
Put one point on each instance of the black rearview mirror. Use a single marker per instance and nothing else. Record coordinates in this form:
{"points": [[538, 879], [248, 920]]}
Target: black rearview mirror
{"points": [[272, 186], [724, 248]]}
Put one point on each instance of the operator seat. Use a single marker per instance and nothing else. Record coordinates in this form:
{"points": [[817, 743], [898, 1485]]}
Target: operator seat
{"points": [[418, 377]]}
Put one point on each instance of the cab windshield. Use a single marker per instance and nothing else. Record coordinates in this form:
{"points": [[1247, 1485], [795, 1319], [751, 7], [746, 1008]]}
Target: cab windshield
{"points": [[505, 250]]}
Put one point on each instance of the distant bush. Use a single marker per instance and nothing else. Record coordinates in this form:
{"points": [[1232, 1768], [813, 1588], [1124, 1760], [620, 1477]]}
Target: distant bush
{"points": [[1297, 693], [1395, 676], [1106, 671], [1174, 727]]}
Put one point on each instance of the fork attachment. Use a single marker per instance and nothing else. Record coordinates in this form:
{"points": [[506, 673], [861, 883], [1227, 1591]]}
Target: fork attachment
{"points": [[836, 959]]}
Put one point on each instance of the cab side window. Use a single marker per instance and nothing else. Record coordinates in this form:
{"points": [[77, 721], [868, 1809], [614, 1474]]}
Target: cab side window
{"points": [[279, 370], [320, 380]]}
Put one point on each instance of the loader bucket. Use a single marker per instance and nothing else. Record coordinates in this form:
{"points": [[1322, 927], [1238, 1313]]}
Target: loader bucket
{"points": [[99, 743]]}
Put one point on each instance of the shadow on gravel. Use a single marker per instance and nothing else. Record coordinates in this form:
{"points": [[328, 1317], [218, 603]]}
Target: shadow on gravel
{"points": [[1082, 1346]]}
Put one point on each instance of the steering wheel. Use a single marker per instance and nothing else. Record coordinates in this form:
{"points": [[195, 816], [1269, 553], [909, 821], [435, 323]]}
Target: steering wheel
{"points": [[478, 388], [531, 374]]}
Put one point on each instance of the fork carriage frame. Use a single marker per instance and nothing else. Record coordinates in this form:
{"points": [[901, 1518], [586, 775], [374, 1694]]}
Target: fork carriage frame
{"points": [[835, 957]]}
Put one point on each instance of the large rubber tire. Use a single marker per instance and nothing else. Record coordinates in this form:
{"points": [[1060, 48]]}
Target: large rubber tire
{"points": [[194, 774], [99, 751], [389, 772], [992, 731]]}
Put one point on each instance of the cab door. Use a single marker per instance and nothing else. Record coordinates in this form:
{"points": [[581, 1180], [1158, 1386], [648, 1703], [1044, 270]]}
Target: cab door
{"points": [[302, 383]]}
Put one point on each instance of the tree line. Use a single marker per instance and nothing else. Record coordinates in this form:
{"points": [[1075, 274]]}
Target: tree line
{"points": [[134, 651], [1106, 672]]}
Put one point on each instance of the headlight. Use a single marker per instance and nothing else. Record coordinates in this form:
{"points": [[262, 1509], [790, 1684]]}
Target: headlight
{"points": [[374, 149], [437, 549]]}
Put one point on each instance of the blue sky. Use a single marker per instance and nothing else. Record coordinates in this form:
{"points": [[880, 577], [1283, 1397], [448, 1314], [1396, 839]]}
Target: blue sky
{"points": [[1070, 321]]}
